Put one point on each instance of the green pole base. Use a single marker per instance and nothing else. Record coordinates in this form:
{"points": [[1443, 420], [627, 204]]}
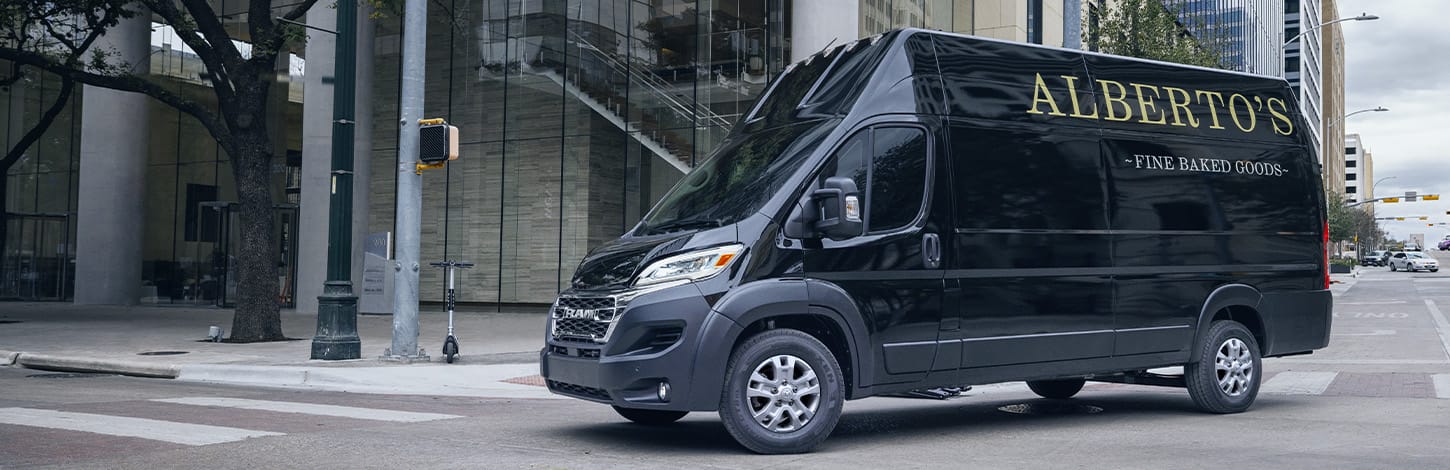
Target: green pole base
{"points": [[336, 337]]}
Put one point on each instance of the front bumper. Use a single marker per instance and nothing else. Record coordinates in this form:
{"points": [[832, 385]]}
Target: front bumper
{"points": [[652, 340]]}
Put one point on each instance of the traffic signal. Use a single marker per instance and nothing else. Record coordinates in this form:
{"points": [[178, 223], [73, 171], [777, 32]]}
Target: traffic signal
{"points": [[1391, 199], [1399, 218], [437, 141], [1424, 218], [1431, 197]]}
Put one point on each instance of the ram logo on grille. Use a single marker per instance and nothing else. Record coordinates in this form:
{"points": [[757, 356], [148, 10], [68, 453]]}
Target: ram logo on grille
{"points": [[577, 313]]}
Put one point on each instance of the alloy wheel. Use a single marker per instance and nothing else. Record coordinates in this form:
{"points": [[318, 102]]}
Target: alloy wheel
{"points": [[783, 393]]}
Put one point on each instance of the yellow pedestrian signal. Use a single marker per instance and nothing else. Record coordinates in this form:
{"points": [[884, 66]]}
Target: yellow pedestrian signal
{"points": [[1391, 199]]}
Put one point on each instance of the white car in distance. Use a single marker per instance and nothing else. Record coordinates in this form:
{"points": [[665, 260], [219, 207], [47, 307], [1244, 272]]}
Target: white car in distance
{"points": [[1413, 261]]}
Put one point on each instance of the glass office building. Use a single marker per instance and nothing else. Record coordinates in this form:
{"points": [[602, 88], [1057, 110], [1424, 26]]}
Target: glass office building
{"points": [[1246, 34], [576, 117]]}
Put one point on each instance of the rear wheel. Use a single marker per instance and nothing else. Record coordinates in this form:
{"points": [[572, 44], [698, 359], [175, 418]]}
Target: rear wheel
{"points": [[1226, 377], [1056, 388], [783, 393], [650, 417], [1392, 267]]}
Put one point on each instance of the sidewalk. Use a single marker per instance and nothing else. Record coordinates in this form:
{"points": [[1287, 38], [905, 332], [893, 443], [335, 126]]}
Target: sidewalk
{"points": [[60, 336]]}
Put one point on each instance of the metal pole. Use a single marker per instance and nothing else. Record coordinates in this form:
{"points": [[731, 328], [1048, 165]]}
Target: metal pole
{"points": [[410, 186], [337, 306]]}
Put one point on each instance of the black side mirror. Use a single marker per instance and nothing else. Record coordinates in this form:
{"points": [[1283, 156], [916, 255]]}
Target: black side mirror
{"points": [[833, 211]]}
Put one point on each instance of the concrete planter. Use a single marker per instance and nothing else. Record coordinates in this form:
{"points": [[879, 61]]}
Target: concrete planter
{"points": [[1339, 268]]}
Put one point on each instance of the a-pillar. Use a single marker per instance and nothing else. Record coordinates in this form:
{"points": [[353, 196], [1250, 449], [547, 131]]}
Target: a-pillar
{"points": [[317, 152], [815, 24], [112, 193]]}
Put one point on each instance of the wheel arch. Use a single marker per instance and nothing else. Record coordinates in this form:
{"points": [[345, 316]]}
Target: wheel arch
{"points": [[1237, 302], [769, 304]]}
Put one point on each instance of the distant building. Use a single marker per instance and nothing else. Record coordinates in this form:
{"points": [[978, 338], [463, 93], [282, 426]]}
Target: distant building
{"points": [[1303, 62], [1332, 139], [1358, 170]]}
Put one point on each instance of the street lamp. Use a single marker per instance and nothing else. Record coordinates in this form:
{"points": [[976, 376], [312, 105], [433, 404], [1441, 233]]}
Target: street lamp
{"points": [[1361, 17], [1379, 109], [337, 306]]}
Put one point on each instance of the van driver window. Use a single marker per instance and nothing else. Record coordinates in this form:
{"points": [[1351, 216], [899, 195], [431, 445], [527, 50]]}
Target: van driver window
{"points": [[898, 176], [894, 181]]}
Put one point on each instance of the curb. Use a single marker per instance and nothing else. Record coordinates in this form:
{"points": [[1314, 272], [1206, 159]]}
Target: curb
{"points": [[83, 364]]}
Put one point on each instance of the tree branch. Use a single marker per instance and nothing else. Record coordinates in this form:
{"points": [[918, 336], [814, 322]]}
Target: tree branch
{"points": [[301, 9], [13, 154], [220, 62], [130, 83]]}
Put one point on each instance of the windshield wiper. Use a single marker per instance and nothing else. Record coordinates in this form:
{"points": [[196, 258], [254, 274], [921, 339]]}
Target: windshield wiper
{"points": [[683, 224]]}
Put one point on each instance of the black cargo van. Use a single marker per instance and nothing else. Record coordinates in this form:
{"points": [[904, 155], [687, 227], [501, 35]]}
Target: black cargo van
{"points": [[923, 209]]}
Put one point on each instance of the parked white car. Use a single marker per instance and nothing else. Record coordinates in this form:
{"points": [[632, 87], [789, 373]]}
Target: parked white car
{"points": [[1413, 261]]}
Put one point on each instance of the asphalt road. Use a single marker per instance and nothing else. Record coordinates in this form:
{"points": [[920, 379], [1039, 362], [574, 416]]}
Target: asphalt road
{"points": [[1370, 400]]}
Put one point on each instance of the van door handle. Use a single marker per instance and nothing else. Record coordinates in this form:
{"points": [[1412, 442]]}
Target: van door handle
{"points": [[931, 250]]}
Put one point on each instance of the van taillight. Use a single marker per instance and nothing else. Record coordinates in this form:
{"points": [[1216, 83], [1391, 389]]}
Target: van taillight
{"points": [[1326, 254]]}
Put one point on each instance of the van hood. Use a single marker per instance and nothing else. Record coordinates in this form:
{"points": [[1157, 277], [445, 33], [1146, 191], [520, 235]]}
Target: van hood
{"points": [[615, 264]]}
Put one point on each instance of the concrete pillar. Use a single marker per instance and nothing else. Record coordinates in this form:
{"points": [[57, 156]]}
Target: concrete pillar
{"points": [[114, 150], [815, 23], [317, 153]]}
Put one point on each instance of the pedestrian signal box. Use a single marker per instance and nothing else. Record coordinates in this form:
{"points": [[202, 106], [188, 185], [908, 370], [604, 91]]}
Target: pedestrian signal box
{"points": [[437, 141]]}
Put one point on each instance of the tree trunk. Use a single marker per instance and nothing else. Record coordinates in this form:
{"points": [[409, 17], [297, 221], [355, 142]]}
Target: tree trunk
{"points": [[258, 316]]}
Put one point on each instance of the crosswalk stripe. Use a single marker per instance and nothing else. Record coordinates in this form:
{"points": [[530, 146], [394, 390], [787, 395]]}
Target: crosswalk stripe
{"points": [[311, 409], [1442, 385], [156, 430], [1299, 383]]}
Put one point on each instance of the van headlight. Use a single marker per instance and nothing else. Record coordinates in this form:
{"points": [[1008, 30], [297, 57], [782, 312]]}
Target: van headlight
{"points": [[691, 266]]}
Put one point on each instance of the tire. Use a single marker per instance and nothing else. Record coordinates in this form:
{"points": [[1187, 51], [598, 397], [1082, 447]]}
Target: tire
{"points": [[1436, 270], [1056, 388], [1230, 344], [814, 389], [650, 417], [1393, 268]]}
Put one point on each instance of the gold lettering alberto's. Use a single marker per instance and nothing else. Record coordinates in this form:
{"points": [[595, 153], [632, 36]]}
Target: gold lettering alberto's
{"points": [[1076, 107], [1041, 94], [1146, 105], [1121, 99], [1182, 103], [1178, 100]]}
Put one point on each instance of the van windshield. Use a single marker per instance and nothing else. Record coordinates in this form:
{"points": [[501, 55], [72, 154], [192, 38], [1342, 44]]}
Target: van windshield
{"points": [[734, 183]]}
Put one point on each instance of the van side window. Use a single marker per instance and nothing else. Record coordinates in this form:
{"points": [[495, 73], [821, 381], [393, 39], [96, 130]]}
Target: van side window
{"points": [[893, 182], [898, 177], [1007, 178]]}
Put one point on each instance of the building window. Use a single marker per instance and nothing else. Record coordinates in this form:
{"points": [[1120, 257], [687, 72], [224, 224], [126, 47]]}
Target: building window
{"points": [[1350, 163], [1351, 177], [1350, 189], [1034, 21], [1349, 150]]}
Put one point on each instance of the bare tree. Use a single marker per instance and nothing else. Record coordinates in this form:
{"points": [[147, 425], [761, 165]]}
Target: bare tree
{"points": [[240, 77]]}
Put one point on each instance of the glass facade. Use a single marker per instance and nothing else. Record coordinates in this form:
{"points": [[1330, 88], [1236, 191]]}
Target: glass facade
{"points": [[1245, 33], [189, 228], [575, 117], [40, 202]]}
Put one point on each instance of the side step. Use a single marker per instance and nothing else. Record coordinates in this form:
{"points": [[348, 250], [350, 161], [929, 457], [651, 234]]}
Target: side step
{"points": [[940, 393], [1143, 378]]}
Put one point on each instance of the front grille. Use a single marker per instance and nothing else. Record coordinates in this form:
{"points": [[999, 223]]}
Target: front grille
{"points": [[584, 319], [578, 390]]}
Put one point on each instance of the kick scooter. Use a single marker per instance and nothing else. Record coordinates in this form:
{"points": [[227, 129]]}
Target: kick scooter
{"points": [[450, 344]]}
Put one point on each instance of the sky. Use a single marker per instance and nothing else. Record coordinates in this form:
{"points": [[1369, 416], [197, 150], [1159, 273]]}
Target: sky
{"points": [[1400, 62]]}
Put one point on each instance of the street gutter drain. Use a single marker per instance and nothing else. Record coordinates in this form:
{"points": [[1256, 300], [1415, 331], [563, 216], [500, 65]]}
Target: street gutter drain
{"points": [[68, 375], [1050, 409], [161, 353]]}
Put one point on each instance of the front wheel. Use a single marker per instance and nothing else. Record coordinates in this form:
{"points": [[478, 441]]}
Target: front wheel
{"points": [[1056, 388], [650, 417], [783, 393], [1393, 268], [1226, 377]]}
